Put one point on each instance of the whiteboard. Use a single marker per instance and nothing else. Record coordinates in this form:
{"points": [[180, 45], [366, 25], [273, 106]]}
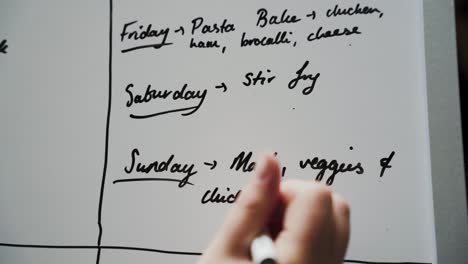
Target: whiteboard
{"points": [[94, 171]]}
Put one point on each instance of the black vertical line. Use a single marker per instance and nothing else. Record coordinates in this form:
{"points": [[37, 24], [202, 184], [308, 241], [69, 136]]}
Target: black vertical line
{"points": [[109, 101]]}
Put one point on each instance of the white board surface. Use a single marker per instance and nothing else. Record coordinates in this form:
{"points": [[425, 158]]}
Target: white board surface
{"points": [[368, 101]]}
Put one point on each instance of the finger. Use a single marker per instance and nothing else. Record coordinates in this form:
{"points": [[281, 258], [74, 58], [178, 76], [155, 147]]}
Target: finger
{"points": [[275, 223], [249, 215], [308, 227], [341, 214], [309, 211]]}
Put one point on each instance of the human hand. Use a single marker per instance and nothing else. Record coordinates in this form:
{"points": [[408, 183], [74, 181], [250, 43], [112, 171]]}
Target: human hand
{"points": [[308, 222]]}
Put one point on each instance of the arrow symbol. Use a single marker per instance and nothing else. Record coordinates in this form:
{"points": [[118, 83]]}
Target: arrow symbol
{"points": [[179, 30], [222, 86], [212, 165]]}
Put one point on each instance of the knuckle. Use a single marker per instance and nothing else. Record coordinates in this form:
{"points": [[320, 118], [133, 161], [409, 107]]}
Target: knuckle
{"points": [[319, 193]]}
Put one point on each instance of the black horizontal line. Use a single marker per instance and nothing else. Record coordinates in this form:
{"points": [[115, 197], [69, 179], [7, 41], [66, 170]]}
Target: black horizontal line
{"points": [[149, 179], [156, 46], [162, 113], [161, 251], [101, 247]]}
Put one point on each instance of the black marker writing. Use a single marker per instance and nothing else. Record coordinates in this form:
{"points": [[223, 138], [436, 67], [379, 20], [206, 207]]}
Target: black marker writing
{"points": [[263, 19], [153, 250], [142, 33], [181, 183], [181, 30], [213, 196], [334, 166], [243, 162], [154, 46], [332, 33], [312, 15], [198, 26], [203, 44], [385, 163], [169, 165], [351, 11], [304, 77], [152, 94], [222, 86], [3, 46], [259, 78], [212, 165], [280, 39]]}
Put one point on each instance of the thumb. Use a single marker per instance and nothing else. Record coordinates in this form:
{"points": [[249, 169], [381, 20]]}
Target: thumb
{"points": [[251, 212]]}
